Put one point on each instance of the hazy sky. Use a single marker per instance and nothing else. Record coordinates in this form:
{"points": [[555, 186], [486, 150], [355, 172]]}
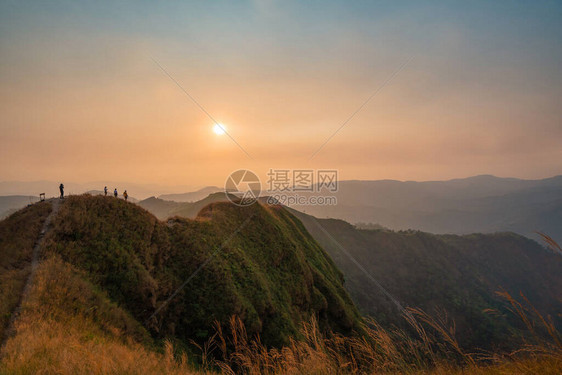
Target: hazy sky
{"points": [[82, 99]]}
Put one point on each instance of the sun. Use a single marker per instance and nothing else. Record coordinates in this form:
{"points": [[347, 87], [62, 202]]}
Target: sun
{"points": [[219, 129]]}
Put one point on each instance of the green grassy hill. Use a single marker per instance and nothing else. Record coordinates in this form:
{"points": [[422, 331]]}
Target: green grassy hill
{"points": [[272, 273], [455, 274]]}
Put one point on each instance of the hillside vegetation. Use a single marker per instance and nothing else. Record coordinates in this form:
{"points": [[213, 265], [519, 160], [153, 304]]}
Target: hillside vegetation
{"points": [[68, 326], [450, 276], [18, 233], [108, 264], [447, 275], [269, 272]]}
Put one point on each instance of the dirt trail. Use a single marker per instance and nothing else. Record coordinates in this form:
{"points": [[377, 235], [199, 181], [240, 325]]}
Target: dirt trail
{"points": [[10, 330]]}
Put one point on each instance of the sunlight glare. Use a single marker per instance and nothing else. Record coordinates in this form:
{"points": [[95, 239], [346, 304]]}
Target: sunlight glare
{"points": [[219, 129]]}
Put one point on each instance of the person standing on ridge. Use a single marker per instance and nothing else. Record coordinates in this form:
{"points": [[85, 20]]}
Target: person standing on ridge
{"points": [[125, 195], [61, 188], [105, 191], [115, 193]]}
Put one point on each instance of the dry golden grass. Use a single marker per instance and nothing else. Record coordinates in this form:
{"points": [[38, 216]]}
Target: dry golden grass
{"points": [[384, 352], [18, 234], [52, 338], [11, 286], [49, 347]]}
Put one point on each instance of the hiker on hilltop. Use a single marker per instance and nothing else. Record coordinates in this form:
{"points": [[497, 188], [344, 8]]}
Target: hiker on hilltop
{"points": [[61, 188], [125, 195], [105, 191], [115, 193]]}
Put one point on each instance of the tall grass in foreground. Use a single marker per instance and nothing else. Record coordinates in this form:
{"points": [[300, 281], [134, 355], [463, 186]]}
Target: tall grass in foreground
{"points": [[434, 350]]}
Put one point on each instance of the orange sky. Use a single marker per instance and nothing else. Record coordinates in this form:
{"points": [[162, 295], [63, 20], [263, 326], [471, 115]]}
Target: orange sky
{"points": [[82, 100]]}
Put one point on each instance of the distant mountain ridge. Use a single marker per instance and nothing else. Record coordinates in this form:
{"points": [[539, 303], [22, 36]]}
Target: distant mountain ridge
{"points": [[191, 196], [12, 203], [164, 209], [481, 204]]}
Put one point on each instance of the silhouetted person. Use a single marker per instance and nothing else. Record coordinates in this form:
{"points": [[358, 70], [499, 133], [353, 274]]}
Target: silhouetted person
{"points": [[115, 193], [125, 195], [61, 188], [105, 191]]}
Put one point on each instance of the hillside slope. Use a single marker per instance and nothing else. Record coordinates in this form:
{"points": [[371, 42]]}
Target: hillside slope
{"points": [[68, 326], [459, 274], [268, 271], [79, 318], [18, 233]]}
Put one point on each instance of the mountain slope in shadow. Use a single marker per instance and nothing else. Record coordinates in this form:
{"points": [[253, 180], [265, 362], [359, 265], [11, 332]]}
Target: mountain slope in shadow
{"points": [[457, 274]]}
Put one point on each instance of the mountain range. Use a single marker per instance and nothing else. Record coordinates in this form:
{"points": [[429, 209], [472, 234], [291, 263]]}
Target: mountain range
{"points": [[480, 204], [11, 203], [192, 196]]}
